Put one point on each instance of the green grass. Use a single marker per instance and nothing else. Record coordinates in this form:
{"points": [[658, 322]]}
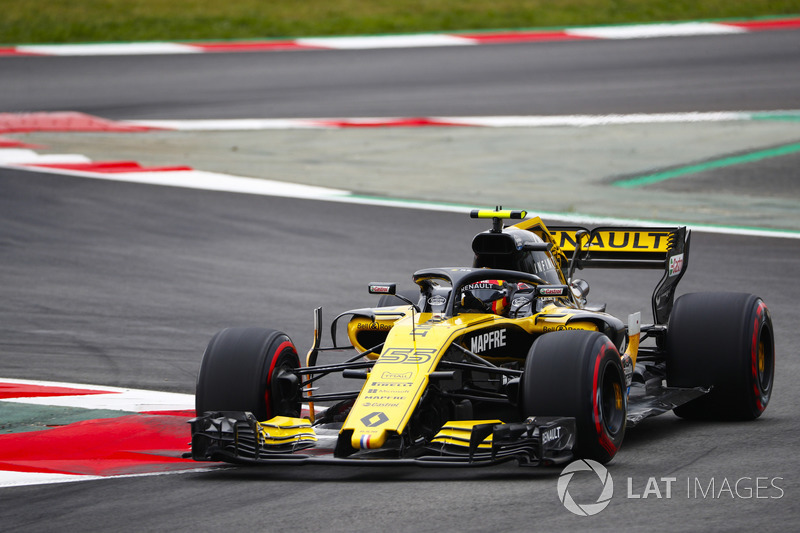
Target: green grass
{"points": [[59, 21]]}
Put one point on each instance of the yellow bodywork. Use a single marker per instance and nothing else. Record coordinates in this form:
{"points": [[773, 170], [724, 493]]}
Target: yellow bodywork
{"points": [[398, 379], [415, 343], [361, 329], [412, 351], [617, 239], [283, 430], [634, 334], [459, 432]]}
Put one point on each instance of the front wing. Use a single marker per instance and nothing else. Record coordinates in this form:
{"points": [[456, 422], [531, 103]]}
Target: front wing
{"points": [[237, 437]]}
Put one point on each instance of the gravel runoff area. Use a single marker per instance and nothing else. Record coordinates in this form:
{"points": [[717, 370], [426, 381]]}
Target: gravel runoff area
{"points": [[548, 169]]}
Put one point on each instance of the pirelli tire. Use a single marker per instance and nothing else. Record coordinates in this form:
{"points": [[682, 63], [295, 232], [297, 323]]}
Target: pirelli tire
{"points": [[724, 341], [249, 369], [578, 374]]}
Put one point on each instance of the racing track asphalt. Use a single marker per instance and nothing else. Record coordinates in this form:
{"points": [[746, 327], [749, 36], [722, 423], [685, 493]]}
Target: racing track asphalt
{"points": [[123, 284], [710, 73], [755, 71]]}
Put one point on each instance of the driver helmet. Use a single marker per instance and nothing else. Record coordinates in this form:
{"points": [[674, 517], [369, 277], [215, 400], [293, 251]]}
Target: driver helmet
{"points": [[487, 296]]}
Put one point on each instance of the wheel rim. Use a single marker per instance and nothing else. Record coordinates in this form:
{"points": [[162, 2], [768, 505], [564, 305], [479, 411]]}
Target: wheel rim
{"points": [[764, 360], [612, 401], [284, 387]]}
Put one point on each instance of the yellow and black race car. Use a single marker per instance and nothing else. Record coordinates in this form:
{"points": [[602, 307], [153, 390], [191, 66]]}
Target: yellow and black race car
{"points": [[497, 361]]}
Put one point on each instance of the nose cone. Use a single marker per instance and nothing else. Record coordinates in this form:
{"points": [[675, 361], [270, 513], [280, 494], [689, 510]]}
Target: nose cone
{"points": [[395, 385]]}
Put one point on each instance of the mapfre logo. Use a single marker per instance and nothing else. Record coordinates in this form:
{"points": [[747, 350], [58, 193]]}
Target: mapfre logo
{"points": [[605, 487]]}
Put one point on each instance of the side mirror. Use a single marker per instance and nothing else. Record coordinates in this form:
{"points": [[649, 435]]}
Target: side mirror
{"points": [[551, 291], [579, 235], [580, 289], [391, 289], [382, 288]]}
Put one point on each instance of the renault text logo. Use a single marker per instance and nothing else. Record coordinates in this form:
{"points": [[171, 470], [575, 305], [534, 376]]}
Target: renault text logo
{"points": [[374, 419], [585, 509]]}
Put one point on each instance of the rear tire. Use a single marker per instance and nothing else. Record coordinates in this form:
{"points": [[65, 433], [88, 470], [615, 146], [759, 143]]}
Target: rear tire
{"points": [[247, 369], [725, 341], [578, 374]]}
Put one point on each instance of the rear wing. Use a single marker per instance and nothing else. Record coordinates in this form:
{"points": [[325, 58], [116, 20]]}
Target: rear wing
{"points": [[660, 248]]}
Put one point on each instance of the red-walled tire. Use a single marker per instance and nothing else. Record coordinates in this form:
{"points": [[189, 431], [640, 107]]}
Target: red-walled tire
{"points": [[247, 369], [722, 340], [578, 374]]}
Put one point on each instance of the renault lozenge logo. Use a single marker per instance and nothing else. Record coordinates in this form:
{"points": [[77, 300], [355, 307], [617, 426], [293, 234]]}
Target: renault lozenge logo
{"points": [[585, 509], [374, 419]]}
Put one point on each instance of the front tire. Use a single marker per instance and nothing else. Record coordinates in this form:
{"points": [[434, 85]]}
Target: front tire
{"points": [[724, 341], [578, 374], [249, 369]]}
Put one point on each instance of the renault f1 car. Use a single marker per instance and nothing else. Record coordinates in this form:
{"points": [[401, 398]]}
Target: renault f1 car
{"points": [[501, 360]]}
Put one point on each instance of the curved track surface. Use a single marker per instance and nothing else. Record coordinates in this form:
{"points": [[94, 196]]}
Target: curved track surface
{"points": [[737, 72], [123, 284]]}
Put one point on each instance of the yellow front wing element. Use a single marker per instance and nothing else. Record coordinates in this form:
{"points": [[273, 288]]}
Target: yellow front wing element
{"points": [[458, 433], [283, 430]]}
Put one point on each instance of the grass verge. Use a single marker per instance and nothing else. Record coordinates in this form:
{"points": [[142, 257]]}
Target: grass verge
{"points": [[61, 21]]}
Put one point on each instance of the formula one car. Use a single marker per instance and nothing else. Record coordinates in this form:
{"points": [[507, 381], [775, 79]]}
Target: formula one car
{"points": [[502, 360]]}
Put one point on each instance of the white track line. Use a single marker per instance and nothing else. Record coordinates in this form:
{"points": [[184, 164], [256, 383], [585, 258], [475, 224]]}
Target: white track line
{"points": [[113, 49], [10, 478], [23, 156], [649, 31], [111, 398], [523, 121], [242, 124], [387, 41], [186, 179]]}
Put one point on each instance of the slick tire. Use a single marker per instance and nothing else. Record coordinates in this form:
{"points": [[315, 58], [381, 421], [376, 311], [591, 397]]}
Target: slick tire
{"points": [[578, 374], [724, 341], [248, 369]]}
